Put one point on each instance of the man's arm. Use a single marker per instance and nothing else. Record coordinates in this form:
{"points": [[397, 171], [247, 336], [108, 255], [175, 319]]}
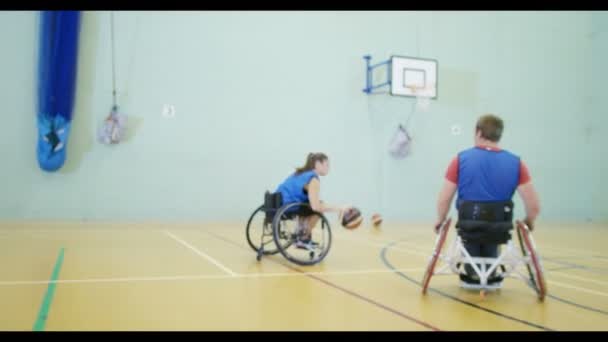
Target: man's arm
{"points": [[531, 202], [446, 195], [528, 195], [450, 185]]}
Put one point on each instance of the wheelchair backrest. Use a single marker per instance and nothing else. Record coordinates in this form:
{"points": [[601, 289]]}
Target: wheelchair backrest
{"points": [[486, 211], [272, 201], [485, 222]]}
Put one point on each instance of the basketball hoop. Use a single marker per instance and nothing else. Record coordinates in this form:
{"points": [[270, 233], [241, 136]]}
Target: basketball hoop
{"points": [[423, 99]]}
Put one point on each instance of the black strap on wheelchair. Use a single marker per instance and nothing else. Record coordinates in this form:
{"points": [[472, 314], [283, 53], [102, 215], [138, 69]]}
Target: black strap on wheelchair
{"points": [[475, 280], [272, 201], [485, 222]]}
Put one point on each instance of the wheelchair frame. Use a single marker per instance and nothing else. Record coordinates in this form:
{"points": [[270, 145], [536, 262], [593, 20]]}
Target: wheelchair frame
{"points": [[275, 215], [509, 260]]}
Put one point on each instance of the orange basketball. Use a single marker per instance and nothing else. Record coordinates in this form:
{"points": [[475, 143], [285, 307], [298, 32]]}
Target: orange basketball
{"points": [[376, 220], [352, 218]]}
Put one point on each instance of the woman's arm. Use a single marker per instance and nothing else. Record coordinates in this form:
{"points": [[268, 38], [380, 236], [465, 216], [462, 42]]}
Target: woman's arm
{"points": [[313, 188]]}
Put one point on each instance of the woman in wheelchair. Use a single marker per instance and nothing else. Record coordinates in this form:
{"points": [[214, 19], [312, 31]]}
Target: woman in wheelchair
{"points": [[304, 186]]}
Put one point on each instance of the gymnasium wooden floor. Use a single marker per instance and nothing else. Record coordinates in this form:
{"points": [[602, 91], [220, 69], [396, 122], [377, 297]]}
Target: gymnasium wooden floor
{"points": [[152, 276]]}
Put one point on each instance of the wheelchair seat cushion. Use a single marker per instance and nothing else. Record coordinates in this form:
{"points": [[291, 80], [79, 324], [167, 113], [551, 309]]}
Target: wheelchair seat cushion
{"points": [[298, 210], [273, 202]]}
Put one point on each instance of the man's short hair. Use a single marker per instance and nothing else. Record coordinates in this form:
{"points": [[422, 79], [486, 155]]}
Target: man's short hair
{"points": [[490, 126]]}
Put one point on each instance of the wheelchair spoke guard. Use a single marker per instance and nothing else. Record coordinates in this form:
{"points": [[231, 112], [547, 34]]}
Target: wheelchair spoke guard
{"points": [[439, 242], [535, 270]]}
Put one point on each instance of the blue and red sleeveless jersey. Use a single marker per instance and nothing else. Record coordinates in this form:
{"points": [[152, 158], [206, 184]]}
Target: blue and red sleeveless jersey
{"points": [[486, 174]]}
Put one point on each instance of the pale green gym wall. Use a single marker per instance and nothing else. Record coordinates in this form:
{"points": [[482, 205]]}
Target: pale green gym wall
{"points": [[598, 126], [254, 92]]}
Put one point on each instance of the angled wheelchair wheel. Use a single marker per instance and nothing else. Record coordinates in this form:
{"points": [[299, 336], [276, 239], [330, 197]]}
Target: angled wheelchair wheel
{"points": [[528, 248], [439, 242], [259, 234], [285, 230], [525, 254]]}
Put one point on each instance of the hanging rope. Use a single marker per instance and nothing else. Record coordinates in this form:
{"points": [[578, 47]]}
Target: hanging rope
{"points": [[113, 62], [112, 129], [412, 112]]}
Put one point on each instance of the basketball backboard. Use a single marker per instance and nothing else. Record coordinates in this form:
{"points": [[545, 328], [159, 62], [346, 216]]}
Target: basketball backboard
{"points": [[416, 77]]}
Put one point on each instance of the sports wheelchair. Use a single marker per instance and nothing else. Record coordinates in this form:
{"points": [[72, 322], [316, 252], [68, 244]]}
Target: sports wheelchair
{"points": [[274, 228], [487, 223]]}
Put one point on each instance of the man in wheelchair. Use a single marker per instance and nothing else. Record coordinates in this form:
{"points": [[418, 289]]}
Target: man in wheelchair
{"points": [[486, 178]]}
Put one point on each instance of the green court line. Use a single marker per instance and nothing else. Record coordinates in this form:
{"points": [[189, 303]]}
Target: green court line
{"points": [[48, 297]]}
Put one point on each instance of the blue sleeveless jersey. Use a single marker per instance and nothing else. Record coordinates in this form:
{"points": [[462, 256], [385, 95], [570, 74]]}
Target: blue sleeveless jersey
{"points": [[487, 176], [292, 189]]}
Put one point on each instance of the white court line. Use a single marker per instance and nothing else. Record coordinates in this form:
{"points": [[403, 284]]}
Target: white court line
{"points": [[579, 278], [253, 275], [232, 275], [27, 235], [40, 237], [425, 251], [383, 236], [541, 246], [404, 241], [414, 251], [582, 289], [195, 277], [557, 273], [579, 252], [195, 250], [551, 282]]}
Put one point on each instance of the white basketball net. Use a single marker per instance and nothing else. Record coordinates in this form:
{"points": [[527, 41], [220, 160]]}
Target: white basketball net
{"points": [[423, 98]]}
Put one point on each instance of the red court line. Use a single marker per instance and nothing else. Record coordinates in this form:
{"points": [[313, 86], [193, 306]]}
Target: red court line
{"points": [[347, 291]]}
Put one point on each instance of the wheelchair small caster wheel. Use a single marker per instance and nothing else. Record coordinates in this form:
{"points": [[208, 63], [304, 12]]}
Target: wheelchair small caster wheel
{"points": [[259, 256], [482, 294], [312, 255]]}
